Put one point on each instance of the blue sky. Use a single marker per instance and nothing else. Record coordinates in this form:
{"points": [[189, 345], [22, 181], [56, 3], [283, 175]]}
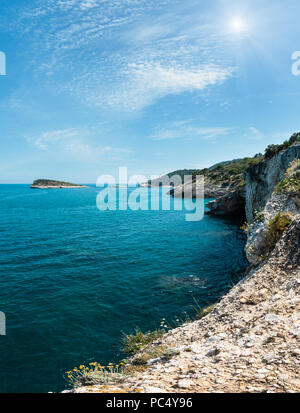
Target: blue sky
{"points": [[154, 85]]}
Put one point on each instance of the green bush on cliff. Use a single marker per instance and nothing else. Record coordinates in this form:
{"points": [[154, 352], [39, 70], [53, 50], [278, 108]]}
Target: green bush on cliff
{"points": [[291, 181], [94, 373], [229, 173], [133, 343], [275, 229], [274, 149]]}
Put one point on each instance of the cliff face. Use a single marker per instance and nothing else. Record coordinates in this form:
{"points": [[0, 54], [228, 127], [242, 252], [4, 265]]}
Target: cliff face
{"points": [[262, 178], [268, 216], [232, 203]]}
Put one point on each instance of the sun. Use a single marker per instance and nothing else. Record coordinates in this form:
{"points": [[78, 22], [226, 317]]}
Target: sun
{"points": [[238, 25]]}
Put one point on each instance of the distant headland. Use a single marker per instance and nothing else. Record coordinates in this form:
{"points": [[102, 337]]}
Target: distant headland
{"points": [[52, 184]]}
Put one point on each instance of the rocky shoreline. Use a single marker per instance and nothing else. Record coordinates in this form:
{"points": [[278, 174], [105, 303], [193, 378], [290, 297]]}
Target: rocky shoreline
{"points": [[249, 342]]}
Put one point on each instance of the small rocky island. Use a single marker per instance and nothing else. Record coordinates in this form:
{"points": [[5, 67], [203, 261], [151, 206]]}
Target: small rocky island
{"points": [[52, 184]]}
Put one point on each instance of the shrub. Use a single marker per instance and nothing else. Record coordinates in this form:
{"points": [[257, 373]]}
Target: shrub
{"points": [[245, 227], [162, 352], [205, 311], [274, 149], [133, 343], [94, 374], [291, 181], [275, 229], [259, 216]]}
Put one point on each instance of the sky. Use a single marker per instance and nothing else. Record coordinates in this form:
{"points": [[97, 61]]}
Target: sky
{"points": [[152, 85]]}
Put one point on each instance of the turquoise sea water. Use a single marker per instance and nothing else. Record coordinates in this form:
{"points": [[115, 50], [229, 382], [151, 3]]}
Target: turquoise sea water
{"points": [[73, 278]]}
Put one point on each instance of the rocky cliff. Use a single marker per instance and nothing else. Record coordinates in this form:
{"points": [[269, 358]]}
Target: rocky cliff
{"points": [[261, 179], [249, 341], [259, 182]]}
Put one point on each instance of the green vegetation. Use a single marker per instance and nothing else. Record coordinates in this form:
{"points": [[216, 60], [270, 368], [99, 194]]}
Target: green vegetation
{"points": [[134, 343], [205, 311], [291, 181], [229, 173], [180, 172], [162, 352], [94, 374], [259, 216], [141, 348], [274, 149], [275, 229]]}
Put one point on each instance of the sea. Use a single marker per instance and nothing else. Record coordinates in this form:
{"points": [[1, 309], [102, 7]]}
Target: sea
{"points": [[75, 279]]}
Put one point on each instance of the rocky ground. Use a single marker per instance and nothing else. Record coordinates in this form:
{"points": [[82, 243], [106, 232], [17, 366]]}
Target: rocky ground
{"points": [[248, 343]]}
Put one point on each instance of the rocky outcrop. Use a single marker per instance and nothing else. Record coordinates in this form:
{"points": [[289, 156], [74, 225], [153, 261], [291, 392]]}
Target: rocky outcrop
{"points": [[232, 203], [194, 190], [262, 178], [52, 184], [258, 233], [274, 212]]}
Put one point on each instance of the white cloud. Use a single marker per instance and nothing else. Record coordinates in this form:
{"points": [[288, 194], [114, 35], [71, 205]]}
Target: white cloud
{"points": [[77, 144], [254, 133], [146, 83], [188, 130], [116, 54]]}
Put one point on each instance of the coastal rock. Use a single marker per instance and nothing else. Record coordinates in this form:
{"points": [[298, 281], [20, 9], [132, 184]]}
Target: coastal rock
{"points": [[262, 178], [229, 204], [249, 341], [193, 190], [258, 232]]}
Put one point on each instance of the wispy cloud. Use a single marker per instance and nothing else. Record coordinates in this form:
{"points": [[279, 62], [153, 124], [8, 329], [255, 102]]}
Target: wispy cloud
{"points": [[47, 139], [188, 130], [254, 133], [77, 144], [146, 60]]}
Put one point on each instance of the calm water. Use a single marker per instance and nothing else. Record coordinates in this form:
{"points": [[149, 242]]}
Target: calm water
{"points": [[73, 278]]}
